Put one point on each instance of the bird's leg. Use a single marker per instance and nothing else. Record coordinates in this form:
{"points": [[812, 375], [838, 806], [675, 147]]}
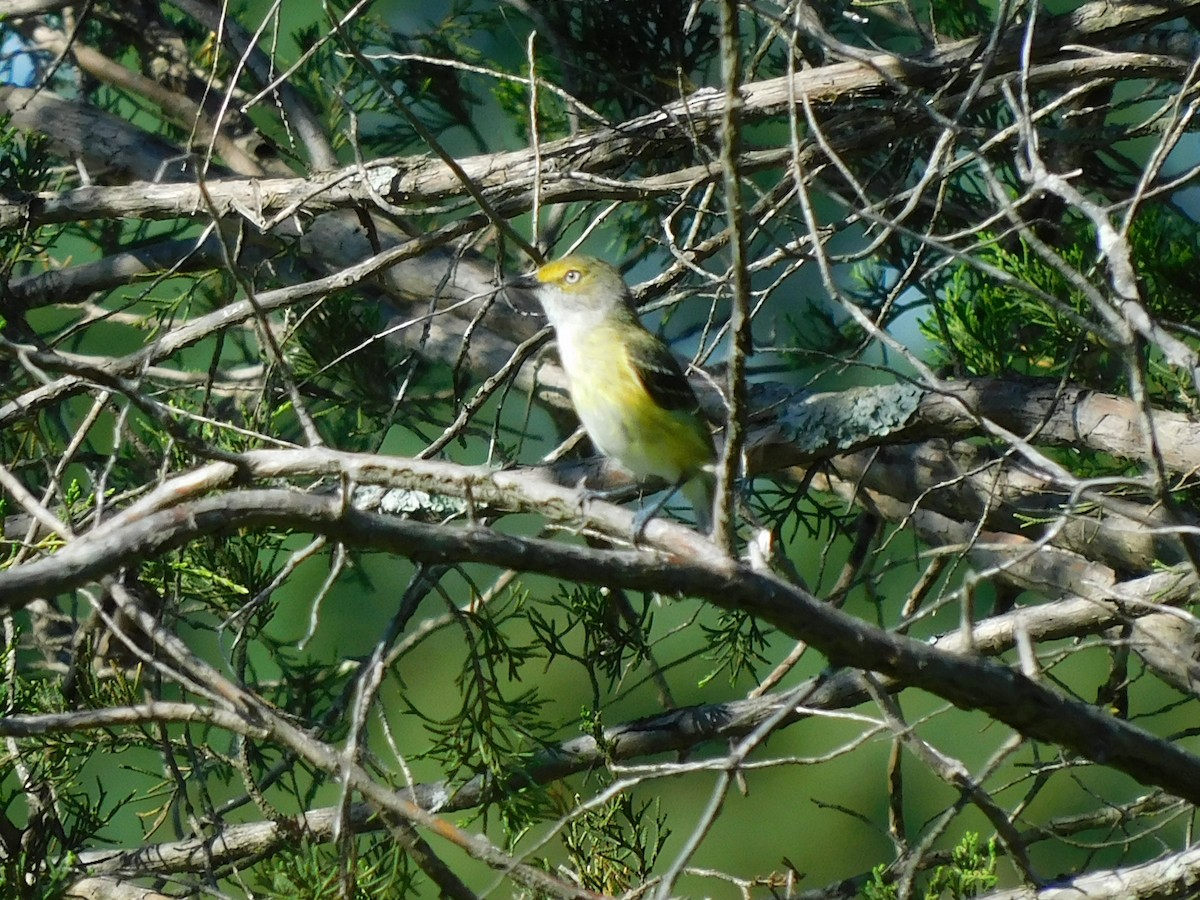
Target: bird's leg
{"points": [[608, 495], [644, 515]]}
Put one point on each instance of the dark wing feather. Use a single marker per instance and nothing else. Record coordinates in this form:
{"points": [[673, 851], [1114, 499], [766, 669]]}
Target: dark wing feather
{"points": [[661, 375]]}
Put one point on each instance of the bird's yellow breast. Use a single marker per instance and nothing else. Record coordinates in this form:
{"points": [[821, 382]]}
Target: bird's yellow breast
{"points": [[623, 420]]}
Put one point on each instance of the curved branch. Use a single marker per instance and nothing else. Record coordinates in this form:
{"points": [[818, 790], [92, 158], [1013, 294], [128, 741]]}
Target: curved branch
{"points": [[1177, 875], [565, 168], [1043, 409], [1026, 705]]}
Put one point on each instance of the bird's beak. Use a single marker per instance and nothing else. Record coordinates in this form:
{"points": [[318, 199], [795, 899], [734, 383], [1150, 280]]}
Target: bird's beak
{"points": [[523, 282], [518, 293]]}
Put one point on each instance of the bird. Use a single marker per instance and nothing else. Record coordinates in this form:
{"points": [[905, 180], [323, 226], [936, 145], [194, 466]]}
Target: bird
{"points": [[625, 384]]}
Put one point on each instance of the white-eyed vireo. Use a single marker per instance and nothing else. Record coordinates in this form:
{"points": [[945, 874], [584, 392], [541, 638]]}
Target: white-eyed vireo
{"points": [[626, 386]]}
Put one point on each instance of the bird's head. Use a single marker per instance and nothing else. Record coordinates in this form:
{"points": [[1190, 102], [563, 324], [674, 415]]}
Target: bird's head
{"points": [[575, 283]]}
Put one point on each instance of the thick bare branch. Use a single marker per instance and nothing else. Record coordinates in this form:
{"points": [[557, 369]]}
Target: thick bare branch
{"points": [[1013, 698]]}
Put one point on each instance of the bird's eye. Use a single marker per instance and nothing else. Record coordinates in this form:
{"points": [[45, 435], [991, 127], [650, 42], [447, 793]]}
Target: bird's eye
{"points": [[572, 276]]}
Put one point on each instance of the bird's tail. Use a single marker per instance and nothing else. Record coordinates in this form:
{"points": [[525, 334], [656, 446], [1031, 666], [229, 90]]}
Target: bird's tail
{"points": [[701, 491]]}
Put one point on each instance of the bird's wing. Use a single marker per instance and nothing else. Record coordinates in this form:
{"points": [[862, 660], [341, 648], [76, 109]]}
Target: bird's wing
{"points": [[661, 376]]}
